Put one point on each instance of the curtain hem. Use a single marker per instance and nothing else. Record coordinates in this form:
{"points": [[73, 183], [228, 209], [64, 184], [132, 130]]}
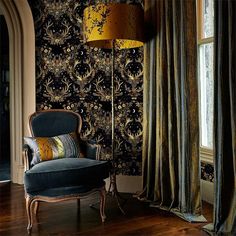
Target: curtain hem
{"points": [[209, 228], [191, 218]]}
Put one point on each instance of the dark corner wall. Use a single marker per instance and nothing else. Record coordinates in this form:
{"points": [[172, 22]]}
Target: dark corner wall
{"points": [[4, 93], [72, 76]]}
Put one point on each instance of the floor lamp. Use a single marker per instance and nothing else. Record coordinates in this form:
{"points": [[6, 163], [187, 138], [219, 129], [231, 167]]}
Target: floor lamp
{"points": [[113, 26]]}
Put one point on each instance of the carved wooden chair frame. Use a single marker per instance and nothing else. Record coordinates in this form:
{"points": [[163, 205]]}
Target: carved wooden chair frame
{"points": [[32, 202]]}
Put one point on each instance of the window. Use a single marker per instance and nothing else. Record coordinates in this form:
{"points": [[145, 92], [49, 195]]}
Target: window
{"points": [[205, 18]]}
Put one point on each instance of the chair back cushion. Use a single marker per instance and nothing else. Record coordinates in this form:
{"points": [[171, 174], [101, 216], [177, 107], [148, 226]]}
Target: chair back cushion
{"points": [[54, 122]]}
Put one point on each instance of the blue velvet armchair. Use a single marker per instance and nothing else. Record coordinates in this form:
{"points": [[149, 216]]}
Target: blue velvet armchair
{"points": [[70, 173]]}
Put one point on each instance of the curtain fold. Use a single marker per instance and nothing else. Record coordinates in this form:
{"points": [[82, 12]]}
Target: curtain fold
{"points": [[225, 120], [171, 167]]}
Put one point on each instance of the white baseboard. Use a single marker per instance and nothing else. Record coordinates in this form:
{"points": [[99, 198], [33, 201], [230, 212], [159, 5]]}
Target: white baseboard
{"points": [[207, 190], [133, 184], [127, 184]]}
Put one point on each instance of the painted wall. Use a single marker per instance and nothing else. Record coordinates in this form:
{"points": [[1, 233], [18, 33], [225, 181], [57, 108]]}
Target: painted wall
{"points": [[72, 76]]}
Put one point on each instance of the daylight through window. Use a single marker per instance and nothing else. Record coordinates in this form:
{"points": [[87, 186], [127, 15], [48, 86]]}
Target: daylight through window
{"points": [[205, 18]]}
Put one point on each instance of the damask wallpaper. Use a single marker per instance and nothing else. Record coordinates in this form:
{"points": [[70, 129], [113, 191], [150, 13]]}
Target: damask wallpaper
{"points": [[72, 76], [207, 171]]}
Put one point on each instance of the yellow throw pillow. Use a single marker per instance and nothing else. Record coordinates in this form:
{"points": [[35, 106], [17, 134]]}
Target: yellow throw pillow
{"points": [[50, 148]]}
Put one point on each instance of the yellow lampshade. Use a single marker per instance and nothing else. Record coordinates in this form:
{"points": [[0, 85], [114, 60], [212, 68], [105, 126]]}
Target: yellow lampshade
{"points": [[118, 22]]}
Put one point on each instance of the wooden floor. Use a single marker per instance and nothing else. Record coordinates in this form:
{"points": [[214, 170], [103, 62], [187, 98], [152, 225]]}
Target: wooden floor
{"points": [[65, 219]]}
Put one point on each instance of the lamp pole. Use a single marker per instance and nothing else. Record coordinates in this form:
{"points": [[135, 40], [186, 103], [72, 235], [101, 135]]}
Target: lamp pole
{"points": [[113, 101], [113, 186], [103, 25]]}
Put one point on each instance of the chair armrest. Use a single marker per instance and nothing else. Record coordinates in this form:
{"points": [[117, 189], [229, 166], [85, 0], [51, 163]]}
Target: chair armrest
{"points": [[27, 157], [90, 149]]}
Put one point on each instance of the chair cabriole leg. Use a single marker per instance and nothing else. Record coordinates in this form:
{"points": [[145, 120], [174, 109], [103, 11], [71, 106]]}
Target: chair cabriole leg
{"points": [[36, 207], [29, 203]]}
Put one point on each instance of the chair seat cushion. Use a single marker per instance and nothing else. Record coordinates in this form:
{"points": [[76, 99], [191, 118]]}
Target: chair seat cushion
{"points": [[65, 172]]}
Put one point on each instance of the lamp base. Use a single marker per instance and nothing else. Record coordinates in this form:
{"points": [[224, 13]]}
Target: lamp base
{"points": [[112, 190]]}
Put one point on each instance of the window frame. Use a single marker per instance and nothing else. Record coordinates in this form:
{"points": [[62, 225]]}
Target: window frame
{"points": [[206, 153]]}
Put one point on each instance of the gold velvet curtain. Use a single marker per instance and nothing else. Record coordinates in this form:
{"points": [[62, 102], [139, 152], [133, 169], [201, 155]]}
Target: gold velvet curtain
{"points": [[171, 126], [225, 119]]}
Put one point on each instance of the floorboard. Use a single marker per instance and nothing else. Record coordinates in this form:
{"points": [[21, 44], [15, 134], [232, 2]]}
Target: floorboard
{"points": [[65, 218]]}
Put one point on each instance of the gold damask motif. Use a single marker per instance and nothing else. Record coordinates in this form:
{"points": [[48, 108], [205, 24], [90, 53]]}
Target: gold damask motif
{"points": [[57, 94], [57, 37]]}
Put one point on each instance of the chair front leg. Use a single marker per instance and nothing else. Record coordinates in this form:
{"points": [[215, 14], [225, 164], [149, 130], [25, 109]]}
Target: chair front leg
{"points": [[102, 204], [29, 207], [36, 207]]}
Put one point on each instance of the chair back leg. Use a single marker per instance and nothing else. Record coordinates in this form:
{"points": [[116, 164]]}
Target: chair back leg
{"points": [[102, 204], [36, 207]]}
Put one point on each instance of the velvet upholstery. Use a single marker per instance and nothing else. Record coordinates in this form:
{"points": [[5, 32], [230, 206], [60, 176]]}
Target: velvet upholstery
{"points": [[48, 124], [65, 172], [224, 213], [171, 177], [58, 122]]}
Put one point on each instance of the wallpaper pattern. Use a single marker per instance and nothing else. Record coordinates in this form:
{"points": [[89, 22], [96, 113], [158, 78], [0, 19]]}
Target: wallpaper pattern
{"points": [[72, 76], [207, 171]]}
